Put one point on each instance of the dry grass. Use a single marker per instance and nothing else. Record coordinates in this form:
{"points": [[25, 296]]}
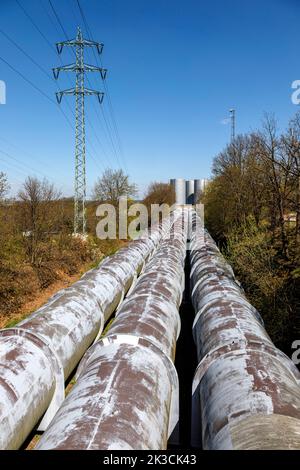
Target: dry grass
{"points": [[25, 288], [39, 297]]}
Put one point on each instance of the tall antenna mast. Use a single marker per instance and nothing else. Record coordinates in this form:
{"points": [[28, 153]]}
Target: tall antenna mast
{"points": [[80, 68], [232, 114]]}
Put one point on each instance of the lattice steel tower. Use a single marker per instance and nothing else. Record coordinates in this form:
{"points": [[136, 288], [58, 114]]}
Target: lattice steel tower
{"points": [[80, 92]]}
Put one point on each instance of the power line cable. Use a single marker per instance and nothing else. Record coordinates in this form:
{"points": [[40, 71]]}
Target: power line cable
{"points": [[54, 11], [107, 124], [53, 49], [27, 80], [89, 33], [95, 108], [30, 155], [6, 154], [42, 93]]}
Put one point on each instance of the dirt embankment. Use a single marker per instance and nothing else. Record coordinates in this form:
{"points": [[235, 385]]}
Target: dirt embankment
{"points": [[25, 287], [40, 298]]}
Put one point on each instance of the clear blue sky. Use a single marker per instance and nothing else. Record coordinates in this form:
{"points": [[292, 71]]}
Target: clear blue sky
{"points": [[174, 70]]}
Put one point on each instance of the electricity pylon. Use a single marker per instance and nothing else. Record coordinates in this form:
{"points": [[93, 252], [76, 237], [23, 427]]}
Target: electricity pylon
{"points": [[80, 92]]}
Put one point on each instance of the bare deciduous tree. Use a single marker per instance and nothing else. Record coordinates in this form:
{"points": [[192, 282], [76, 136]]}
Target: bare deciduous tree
{"points": [[269, 151], [291, 165], [112, 185], [159, 193], [39, 213]]}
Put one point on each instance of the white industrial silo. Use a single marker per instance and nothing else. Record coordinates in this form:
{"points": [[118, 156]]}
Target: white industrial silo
{"points": [[190, 192], [179, 187], [200, 185]]}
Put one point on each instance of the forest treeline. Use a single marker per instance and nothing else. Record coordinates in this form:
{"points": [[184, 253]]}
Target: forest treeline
{"points": [[37, 244], [252, 209]]}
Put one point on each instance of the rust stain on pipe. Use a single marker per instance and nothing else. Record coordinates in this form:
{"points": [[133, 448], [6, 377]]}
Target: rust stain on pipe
{"points": [[126, 395], [60, 332], [112, 406], [244, 386]]}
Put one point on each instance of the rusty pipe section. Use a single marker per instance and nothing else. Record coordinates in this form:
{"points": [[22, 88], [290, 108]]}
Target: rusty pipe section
{"points": [[122, 400], [151, 309], [38, 355], [126, 395], [246, 392]]}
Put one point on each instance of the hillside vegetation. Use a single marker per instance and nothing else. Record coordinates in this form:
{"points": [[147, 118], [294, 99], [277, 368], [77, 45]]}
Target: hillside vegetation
{"points": [[252, 208], [37, 248], [39, 253]]}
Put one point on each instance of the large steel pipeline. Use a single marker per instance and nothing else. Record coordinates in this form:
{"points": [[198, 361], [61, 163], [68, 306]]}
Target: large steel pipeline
{"points": [[246, 392], [38, 355], [126, 395]]}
